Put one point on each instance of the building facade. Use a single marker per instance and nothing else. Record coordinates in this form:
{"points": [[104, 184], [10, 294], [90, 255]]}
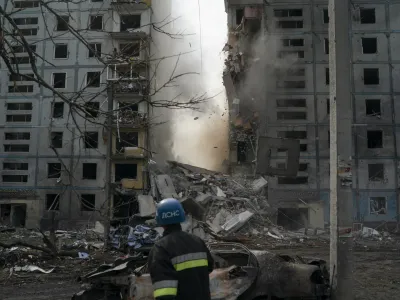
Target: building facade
{"points": [[53, 154], [295, 104]]}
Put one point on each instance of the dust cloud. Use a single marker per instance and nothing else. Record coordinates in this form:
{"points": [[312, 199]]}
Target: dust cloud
{"points": [[195, 137]]}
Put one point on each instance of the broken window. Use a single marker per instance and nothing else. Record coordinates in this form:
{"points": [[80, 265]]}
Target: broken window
{"points": [[14, 136], [367, 16], [62, 23], [377, 205], [128, 171], [293, 42], [291, 115], [326, 45], [127, 139], [15, 166], [91, 140], [376, 172], [293, 180], [58, 110], [241, 151], [131, 49], [92, 109], [327, 76], [15, 178], [375, 139], [326, 16], [94, 50], [89, 171], [289, 24], [303, 147], [16, 148], [300, 135], [292, 84], [95, 22], [53, 170], [59, 80], [130, 22], [61, 51], [291, 102], [284, 13], [303, 167], [88, 202], [369, 45], [52, 201], [93, 79], [373, 107], [239, 15], [298, 54], [56, 139], [296, 72], [371, 76]]}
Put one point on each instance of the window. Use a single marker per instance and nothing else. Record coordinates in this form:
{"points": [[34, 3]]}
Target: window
{"points": [[26, 4], [369, 45], [21, 60], [89, 171], [326, 45], [19, 106], [96, 23], [371, 76], [88, 202], [289, 24], [375, 139], [94, 50], [16, 148], [303, 167], [377, 205], [300, 135], [127, 139], [131, 49], [239, 15], [15, 166], [53, 170], [128, 171], [52, 202], [22, 49], [283, 13], [15, 178], [129, 22], [28, 31], [21, 77], [92, 109], [59, 80], [327, 76], [325, 16], [56, 140], [298, 54], [61, 51], [293, 180], [58, 110], [367, 16], [62, 23], [373, 107], [91, 140], [291, 102], [375, 172], [293, 42], [20, 89], [18, 118], [16, 136], [93, 79], [300, 84], [328, 106], [26, 21], [291, 115]]}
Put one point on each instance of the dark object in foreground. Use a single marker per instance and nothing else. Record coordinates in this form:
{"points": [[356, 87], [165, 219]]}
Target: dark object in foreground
{"points": [[239, 274]]}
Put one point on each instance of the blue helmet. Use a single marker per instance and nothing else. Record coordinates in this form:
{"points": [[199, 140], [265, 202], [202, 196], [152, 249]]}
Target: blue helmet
{"points": [[170, 211]]}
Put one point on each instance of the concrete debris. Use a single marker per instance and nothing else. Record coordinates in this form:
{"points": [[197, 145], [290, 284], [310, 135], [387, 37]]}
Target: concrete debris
{"points": [[237, 221], [147, 206], [165, 186], [258, 184], [30, 269]]}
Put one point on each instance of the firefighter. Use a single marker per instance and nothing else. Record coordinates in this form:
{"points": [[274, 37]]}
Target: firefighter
{"points": [[179, 263]]}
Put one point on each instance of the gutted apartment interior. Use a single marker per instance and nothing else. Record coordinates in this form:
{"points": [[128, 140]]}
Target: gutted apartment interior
{"points": [[53, 164], [298, 105]]}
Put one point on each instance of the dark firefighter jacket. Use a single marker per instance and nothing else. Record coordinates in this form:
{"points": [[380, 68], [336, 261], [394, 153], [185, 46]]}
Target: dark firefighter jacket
{"points": [[179, 265]]}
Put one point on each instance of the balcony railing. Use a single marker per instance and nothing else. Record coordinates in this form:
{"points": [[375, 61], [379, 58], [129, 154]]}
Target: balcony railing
{"points": [[126, 71], [140, 88], [138, 4], [128, 117]]}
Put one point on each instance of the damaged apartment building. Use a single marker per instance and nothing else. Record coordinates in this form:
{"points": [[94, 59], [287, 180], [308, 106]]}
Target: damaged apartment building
{"points": [[53, 160], [292, 102]]}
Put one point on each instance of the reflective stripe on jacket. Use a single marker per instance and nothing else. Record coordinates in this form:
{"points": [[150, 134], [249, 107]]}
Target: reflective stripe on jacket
{"points": [[179, 265]]}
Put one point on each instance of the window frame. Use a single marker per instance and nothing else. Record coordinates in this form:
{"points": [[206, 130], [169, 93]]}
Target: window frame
{"points": [[54, 54], [52, 80]]}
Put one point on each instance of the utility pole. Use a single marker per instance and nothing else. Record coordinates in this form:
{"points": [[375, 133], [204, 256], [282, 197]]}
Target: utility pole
{"points": [[108, 191], [341, 143]]}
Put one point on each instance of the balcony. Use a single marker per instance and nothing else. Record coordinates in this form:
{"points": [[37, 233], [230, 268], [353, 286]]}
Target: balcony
{"points": [[132, 4], [134, 71], [130, 34], [130, 119]]}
